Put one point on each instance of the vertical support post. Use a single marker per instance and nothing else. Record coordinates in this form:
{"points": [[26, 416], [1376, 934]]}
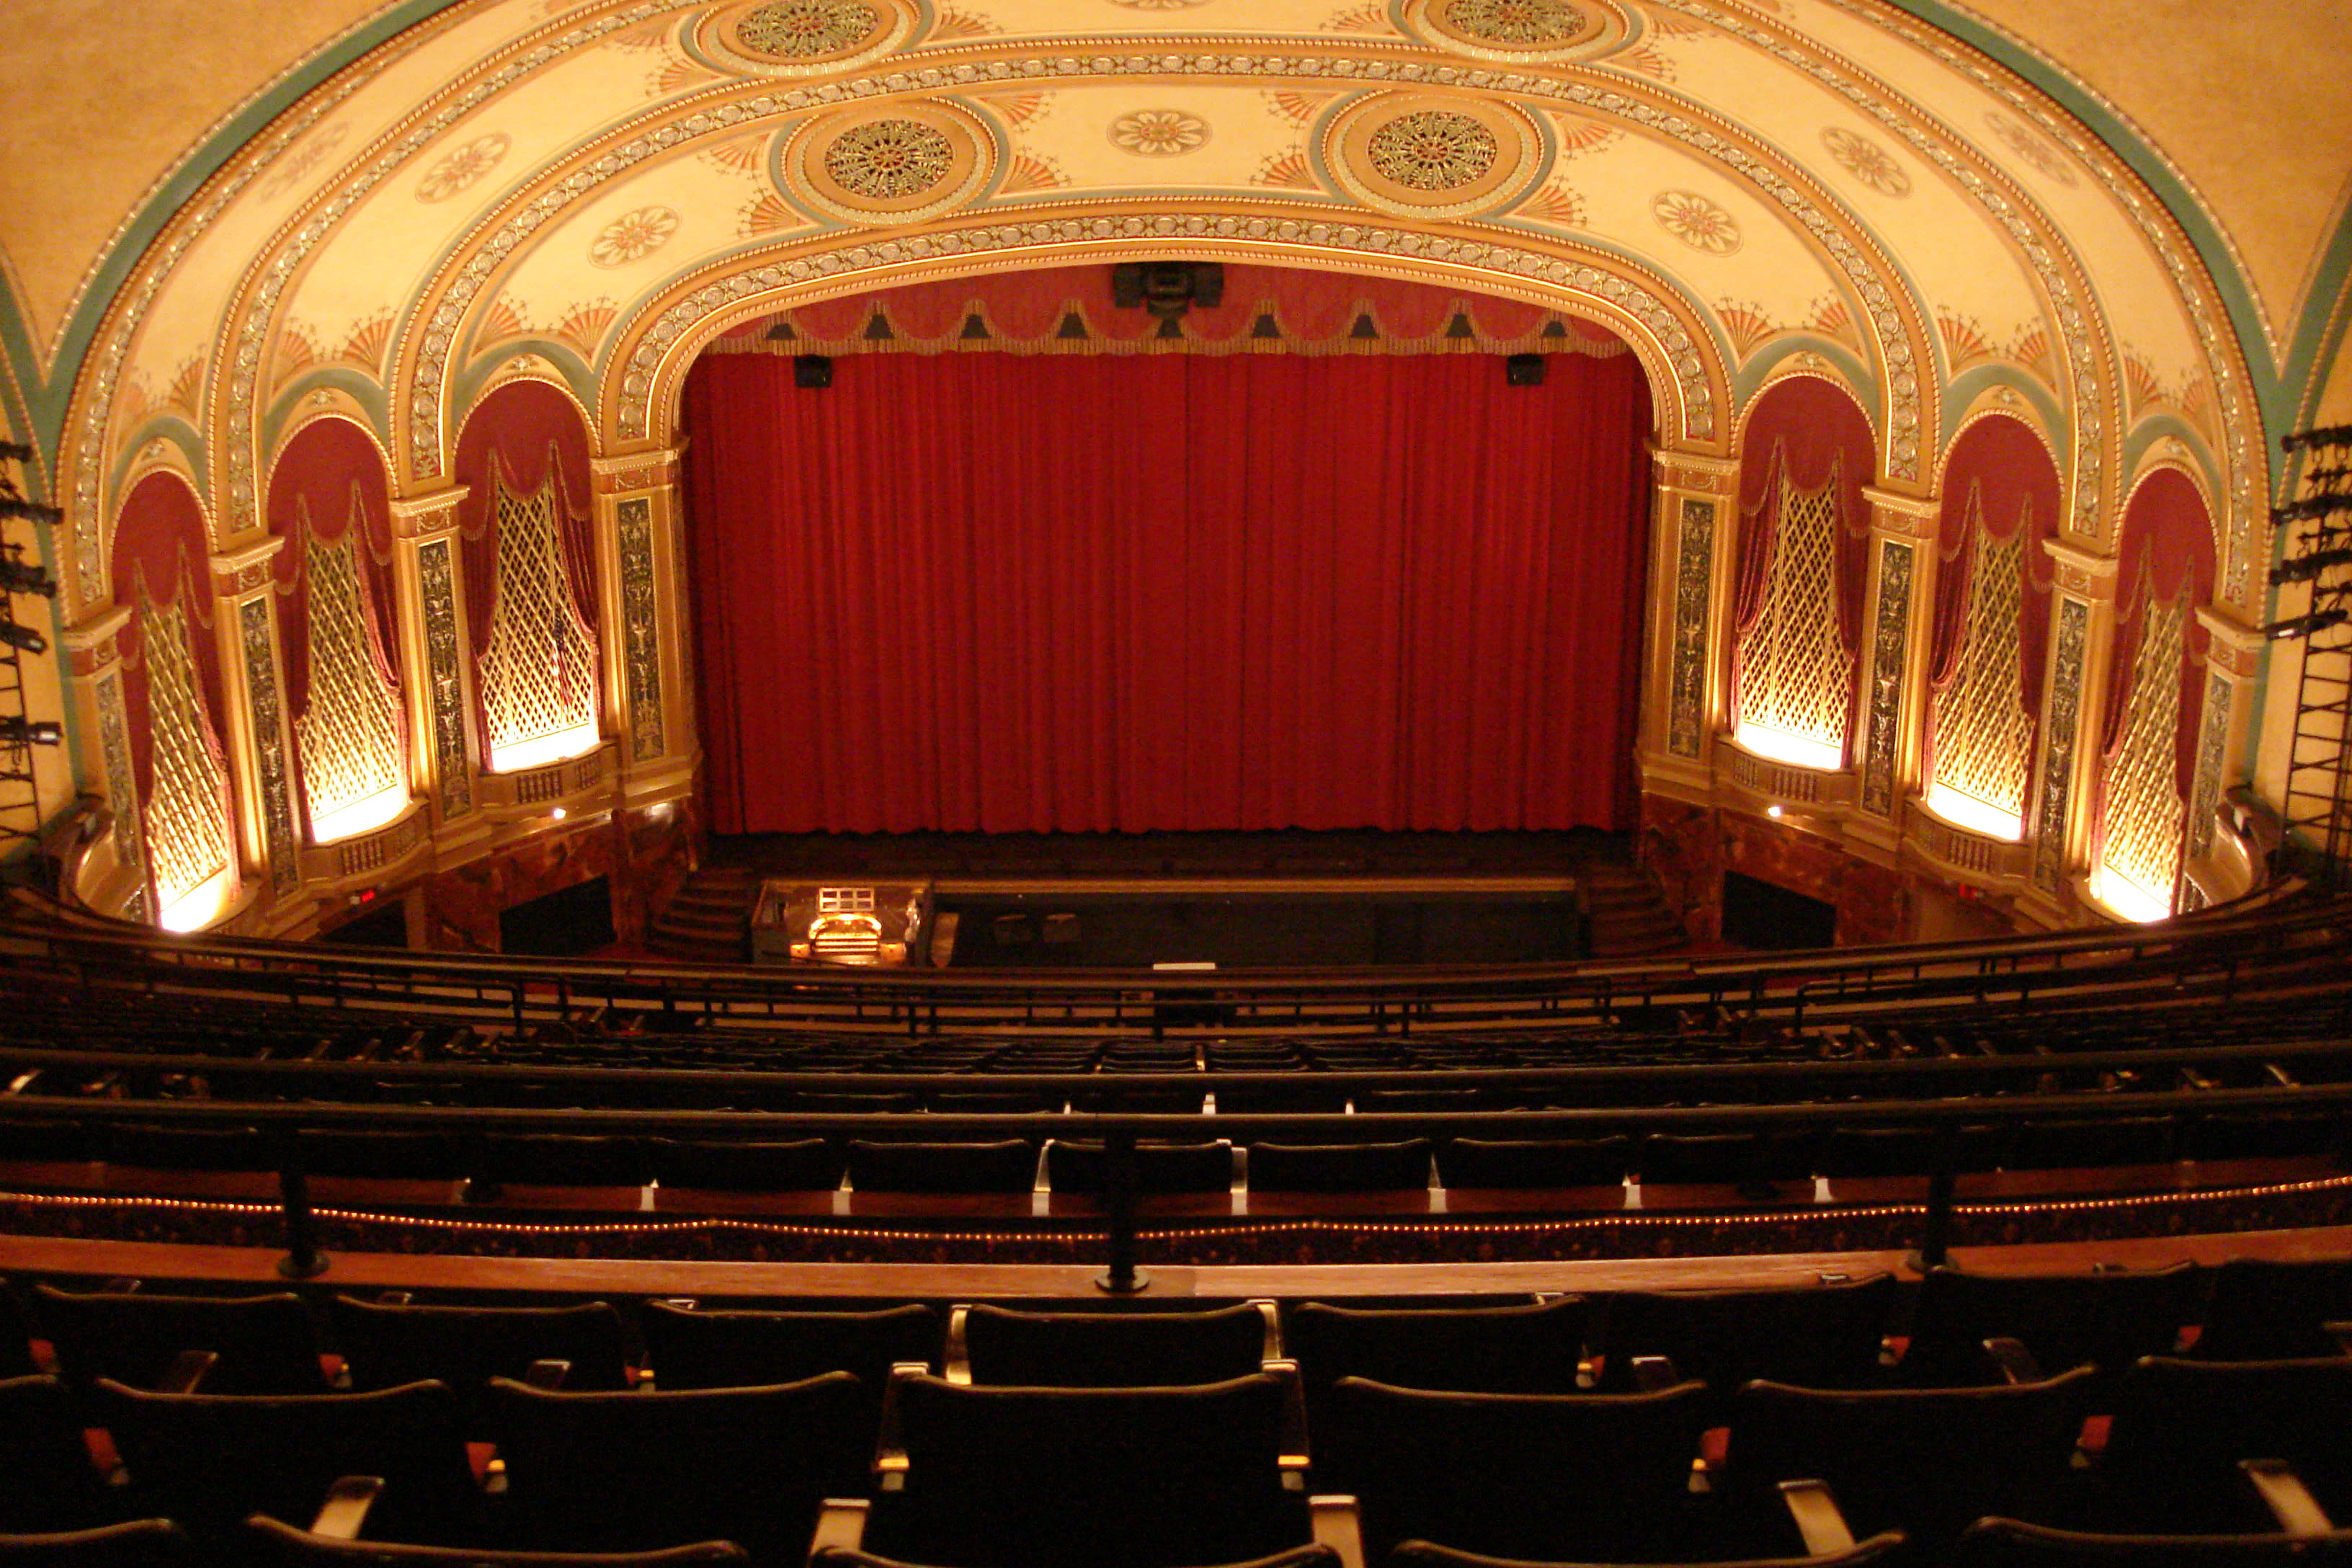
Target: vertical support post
{"points": [[1936, 1233], [303, 1260], [1894, 661], [437, 662], [2082, 639], [246, 615], [1122, 1277]]}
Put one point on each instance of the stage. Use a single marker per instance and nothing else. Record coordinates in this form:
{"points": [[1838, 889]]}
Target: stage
{"points": [[1259, 900]]}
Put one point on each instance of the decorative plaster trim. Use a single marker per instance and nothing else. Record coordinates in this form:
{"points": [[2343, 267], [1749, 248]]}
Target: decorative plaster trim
{"points": [[1694, 616], [1890, 643]]}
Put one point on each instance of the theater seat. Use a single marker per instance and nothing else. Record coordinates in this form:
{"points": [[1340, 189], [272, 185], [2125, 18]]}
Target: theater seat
{"points": [[2265, 1310], [279, 1542], [1926, 1462], [208, 1461], [262, 1344], [1006, 1166], [1274, 1167], [2013, 1543], [1573, 1477], [2180, 1429], [46, 1480], [388, 1344], [1823, 1336], [1428, 1555], [1076, 1166], [1108, 1350], [134, 1543], [1051, 1478], [2108, 1320], [641, 1470]]}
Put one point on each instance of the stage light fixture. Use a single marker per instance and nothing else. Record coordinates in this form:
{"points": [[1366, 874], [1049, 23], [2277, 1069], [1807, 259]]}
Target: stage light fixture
{"points": [[19, 576], [31, 733], [31, 510], [16, 451], [2309, 506], [2304, 626], [2329, 435], [2303, 568]]}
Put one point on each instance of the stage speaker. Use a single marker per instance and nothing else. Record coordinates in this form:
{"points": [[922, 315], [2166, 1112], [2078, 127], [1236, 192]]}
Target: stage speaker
{"points": [[815, 371], [860, 925], [1523, 370]]}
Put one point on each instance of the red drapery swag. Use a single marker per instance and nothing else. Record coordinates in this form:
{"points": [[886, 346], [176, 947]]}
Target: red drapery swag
{"points": [[1000, 592], [524, 437], [1804, 434], [2164, 552], [162, 555], [1998, 479], [330, 482]]}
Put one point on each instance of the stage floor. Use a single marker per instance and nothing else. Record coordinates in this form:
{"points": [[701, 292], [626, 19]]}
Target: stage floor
{"points": [[1412, 898]]}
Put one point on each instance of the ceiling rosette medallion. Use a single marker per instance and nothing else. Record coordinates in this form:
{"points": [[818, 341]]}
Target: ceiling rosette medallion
{"points": [[800, 37], [1429, 155], [1521, 29], [898, 162]]}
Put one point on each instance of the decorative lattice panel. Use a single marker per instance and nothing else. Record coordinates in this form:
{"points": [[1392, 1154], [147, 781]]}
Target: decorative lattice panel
{"points": [[187, 834], [538, 675], [2144, 806], [349, 732], [1793, 673], [1984, 736]]}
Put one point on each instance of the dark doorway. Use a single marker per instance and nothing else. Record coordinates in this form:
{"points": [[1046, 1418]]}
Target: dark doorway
{"points": [[385, 925], [1759, 914], [575, 921]]}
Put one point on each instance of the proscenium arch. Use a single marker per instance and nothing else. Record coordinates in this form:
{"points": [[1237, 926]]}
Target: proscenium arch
{"points": [[664, 393], [444, 314]]}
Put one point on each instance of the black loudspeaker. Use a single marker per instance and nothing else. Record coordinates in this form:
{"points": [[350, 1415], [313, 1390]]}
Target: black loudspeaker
{"points": [[1523, 370], [816, 370]]}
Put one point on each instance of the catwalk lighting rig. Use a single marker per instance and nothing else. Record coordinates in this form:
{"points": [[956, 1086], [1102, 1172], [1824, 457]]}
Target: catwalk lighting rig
{"points": [[2316, 560]]}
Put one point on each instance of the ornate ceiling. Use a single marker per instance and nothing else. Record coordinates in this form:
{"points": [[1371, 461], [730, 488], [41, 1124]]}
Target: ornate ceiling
{"points": [[392, 210]]}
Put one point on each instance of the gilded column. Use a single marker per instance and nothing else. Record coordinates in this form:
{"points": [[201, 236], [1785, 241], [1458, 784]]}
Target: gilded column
{"points": [[114, 872], [1892, 659], [2082, 630], [245, 619], [437, 684], [640, 588], [2217, 864], [1685, 676]]}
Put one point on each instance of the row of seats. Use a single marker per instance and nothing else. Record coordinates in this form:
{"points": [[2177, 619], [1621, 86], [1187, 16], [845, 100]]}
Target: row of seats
{"points": [[1837, 1333], [1470, 1428], [910, 1162]]}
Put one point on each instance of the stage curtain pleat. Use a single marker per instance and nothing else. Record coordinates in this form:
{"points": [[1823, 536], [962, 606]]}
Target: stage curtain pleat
{"points": [[1062, 594]]}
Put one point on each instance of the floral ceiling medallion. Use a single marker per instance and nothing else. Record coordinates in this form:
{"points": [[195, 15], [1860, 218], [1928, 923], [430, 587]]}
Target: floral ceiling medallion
{"points": [[462, 167], [633, 236], [1431, 155], [2044, 159], [889, 163], [1696, 222], [803, 30], [799, 38], [883, 160], [1521, 29], [1867, 161], [1159, 133]]}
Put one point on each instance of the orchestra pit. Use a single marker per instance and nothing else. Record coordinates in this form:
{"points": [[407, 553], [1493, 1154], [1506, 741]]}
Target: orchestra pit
{"points": [[1155, 784]]}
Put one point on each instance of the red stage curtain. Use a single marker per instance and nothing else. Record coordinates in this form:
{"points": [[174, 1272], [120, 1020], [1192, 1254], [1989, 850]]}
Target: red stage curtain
{"points": [[1009, 593]]}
